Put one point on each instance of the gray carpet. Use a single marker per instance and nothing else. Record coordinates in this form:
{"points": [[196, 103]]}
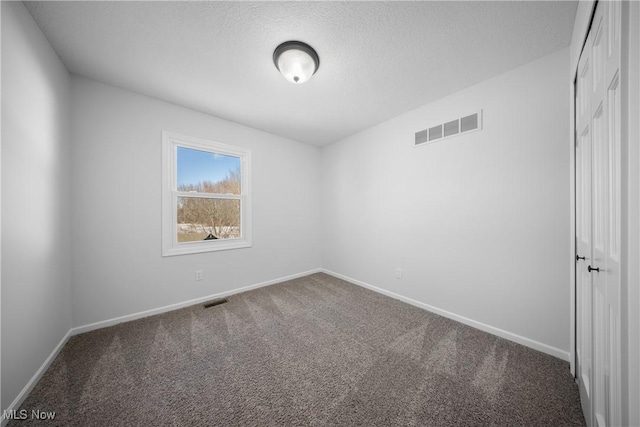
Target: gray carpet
{"points": [[311, 351]]}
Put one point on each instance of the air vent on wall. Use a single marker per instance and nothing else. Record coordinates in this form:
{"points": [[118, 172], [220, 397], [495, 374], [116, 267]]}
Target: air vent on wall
{"points": [[435, 132], [216, 302], [449, 129]]}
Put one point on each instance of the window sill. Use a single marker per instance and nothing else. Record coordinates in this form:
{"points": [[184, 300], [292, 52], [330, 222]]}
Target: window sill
{"points": [[209, 246]]}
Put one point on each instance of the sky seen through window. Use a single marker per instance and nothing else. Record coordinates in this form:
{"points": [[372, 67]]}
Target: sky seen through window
{"points": [[195, 166]]}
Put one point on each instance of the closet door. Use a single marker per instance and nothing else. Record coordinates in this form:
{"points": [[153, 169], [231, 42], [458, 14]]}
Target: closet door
{"points": [[598, 208]]}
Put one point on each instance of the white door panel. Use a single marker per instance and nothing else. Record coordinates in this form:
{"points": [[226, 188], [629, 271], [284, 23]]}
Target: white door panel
{"points": [[598, 218]]}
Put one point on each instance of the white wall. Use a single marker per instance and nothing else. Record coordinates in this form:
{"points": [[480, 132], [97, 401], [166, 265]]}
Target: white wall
{"points": [[36, 279], [116, 162], [479, 223]]}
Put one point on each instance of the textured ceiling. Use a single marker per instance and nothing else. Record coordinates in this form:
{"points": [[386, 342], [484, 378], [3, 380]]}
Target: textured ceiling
{"points": [[377, 59]]}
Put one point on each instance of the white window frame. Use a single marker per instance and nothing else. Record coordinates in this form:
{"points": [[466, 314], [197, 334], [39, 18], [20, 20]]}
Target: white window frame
{"points": [[170, 246]]}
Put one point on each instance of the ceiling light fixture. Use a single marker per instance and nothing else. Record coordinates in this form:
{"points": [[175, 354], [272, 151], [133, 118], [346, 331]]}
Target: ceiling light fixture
{"points": [[296, 61]]}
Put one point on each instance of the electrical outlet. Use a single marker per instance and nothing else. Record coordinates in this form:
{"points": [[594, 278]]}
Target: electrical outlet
{"points": [[198, 274], [398, 273]]}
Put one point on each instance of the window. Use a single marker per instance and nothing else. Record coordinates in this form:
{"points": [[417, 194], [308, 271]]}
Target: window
{"points": [[205, 196]]}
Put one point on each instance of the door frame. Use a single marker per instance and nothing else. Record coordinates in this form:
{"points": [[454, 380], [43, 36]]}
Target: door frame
{"points": [[630, 184]]}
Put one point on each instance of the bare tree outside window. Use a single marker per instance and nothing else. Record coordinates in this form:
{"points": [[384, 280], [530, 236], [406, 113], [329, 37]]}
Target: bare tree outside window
{"points": [[206, 218], [210, 210]]}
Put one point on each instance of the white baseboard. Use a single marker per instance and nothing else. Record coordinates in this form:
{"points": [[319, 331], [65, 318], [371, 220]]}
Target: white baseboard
{"points": [[556, 352], [15, 405], [110, 322]]}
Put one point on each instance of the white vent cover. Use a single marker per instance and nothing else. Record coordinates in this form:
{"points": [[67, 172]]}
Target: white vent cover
{"points": [[465, 124]]}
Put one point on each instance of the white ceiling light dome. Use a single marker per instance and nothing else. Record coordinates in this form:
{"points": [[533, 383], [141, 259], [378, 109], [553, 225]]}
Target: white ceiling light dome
{"points": [[297, 61]]}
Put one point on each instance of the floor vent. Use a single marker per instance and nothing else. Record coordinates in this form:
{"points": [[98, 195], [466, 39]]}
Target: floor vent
{"points": [[450, 129], [216, 302]]}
